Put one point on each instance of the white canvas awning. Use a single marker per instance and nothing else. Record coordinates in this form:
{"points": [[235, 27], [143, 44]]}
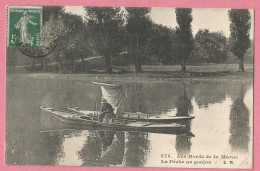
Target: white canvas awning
{"points": [[115, 96]]}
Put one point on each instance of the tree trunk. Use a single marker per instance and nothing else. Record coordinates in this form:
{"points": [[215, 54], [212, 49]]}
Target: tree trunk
{"points": [[71, 65], [138, 67], [33, 65], [134, 56], [159, 54], [241, 92], [82, 62], [131, 49], [60, 66], [60, 63], [108, 63], [183, 65], [44, 64], [241, 65]]}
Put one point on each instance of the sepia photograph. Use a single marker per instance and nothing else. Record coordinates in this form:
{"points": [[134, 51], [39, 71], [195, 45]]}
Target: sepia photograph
{"points": [[129, 86]]}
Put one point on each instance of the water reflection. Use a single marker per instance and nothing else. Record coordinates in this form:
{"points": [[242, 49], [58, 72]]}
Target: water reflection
{"points": [[184, 108], [35, 138], [239, 122], [92, 149], [113, 146], [137, 149], [54, 144], [209, 93], [137, 94], [183, 102]]}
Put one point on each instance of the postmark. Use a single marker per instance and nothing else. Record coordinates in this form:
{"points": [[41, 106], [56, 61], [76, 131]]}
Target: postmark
{"points": [[37, 52], [24, 26]]}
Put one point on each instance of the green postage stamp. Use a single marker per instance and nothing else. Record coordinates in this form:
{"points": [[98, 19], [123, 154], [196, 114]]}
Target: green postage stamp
{"points": [[24, 26]]}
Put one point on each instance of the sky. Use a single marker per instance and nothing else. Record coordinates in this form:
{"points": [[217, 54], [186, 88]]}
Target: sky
{"points": [[213, 19]]}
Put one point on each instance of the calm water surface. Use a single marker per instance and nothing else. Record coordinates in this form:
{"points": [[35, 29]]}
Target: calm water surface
{"points": [[223, 112]]}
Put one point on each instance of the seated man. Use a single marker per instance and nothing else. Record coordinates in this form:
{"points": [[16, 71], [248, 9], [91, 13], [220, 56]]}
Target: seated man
{"points": [[106, 113]]}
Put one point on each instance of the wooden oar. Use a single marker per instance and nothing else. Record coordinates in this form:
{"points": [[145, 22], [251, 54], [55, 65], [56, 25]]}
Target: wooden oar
{"points": [[105, 84]]}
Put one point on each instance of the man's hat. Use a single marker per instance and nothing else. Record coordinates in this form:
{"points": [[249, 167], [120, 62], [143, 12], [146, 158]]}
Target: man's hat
{"points": [[104, 101]]}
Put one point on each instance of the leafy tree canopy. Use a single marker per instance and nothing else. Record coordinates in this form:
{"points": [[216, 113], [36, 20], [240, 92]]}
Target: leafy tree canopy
{"points": [[106, 25], [239, 31], [184, 37], [210, 46]]}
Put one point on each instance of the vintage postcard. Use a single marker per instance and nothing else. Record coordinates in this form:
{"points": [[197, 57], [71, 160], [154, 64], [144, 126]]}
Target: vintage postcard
{"points": [[129, 86]]}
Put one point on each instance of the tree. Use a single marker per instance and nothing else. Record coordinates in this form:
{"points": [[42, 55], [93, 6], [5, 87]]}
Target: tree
{"points": [[137, 27], [184, 38], [53, 30], [161, 43], [51, 11], [75, 40], [71, 34], [239, 33], [210, 46], [106, 24]]}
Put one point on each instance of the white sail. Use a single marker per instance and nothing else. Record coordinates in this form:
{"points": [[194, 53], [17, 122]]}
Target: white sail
{"points": [[115, 96]]}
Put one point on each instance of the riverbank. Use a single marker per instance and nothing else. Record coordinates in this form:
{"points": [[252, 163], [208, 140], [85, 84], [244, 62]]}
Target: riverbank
{"points": [[210, 72]]}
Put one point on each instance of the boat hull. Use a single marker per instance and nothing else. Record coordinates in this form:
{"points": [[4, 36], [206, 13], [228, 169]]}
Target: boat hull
{"points": [[75, 119], [140, 116]]}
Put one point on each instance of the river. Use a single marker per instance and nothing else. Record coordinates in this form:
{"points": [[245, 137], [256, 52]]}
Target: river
{"points": [[222, 126]]}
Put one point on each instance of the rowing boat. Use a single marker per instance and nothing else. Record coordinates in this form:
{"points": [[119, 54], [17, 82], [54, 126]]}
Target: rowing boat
{"points": [[138, 116], [73, 118]]}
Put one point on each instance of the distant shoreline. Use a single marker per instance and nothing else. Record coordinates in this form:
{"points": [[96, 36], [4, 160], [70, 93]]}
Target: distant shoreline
{"points": [[218, 72]]}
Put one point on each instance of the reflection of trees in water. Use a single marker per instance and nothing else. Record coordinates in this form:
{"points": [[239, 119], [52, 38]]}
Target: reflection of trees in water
{"points": [[113, 148], [183, 144], [184, 108], [183, 103], [63, 93], [107, 138], [109, 148], [51, 148], [151, 98], [136, 96], [103, 148], [232, 89], [140, 99], [25, 144], [92, 149], [239, 123], [26, 151], [137, 149], [86, 95], [209, 93]]}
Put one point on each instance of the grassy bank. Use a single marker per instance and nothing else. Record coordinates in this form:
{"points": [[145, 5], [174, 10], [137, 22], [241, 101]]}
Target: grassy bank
{"points": [[213, 72]]}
